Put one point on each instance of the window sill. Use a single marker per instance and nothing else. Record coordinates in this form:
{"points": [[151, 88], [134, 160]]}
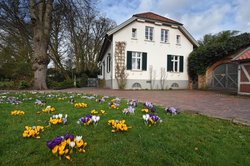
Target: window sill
{"points": [[134, 38], [149, 40], [178, 44], [136, 70], [176, 72], [164, 42]]}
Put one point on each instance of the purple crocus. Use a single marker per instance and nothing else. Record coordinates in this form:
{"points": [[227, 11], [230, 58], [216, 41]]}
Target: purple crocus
{"points": [[148, 105], [153, 109], [51, 144], [154, 117], [54, 142], [66, 136], [171, 110]]}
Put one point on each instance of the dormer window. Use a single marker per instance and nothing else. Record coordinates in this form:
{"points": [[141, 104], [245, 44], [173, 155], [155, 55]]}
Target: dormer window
{"points": [[149, 33], [134, 33]]}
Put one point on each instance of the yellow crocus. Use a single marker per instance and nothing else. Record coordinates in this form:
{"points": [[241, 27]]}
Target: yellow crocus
{"points": [[55, 149], [79, 143], [67, 157]]}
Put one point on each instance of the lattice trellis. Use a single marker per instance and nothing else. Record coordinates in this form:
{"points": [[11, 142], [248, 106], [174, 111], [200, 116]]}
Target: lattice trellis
{"points": [[120, 73], [119, 58]]}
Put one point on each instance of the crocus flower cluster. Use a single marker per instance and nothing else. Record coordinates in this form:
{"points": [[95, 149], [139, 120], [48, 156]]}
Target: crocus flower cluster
{"points": [[171, 110], [89, 119], [118, 125], [13, 100], [32, 131], [40, 102], [133, 103], [95, 112], [49, 109], [151, 119], [58, 119], [88, 97], [101, 100], [81, 105], [144, 110], [116, 100], [129, 110], [60, 98], [71, 101], [63, 146], [17, 112], [150, 106]]}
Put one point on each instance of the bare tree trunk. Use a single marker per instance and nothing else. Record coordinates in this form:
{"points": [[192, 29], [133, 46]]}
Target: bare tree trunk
{"points": [[40, 11]]}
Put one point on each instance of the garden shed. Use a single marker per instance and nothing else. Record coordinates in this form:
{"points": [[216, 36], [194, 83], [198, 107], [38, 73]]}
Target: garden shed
{"points": [[230, 74]]}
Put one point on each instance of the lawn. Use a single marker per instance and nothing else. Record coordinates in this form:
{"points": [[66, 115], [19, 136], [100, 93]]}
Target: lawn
{"points": [[182, 139]]}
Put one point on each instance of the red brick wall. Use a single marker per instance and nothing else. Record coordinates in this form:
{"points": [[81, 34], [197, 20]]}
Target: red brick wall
{"points": [[245, 88]]}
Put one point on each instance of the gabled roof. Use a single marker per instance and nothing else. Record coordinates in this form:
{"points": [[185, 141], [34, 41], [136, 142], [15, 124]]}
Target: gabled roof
{"points": [[156, 17], [243, 56]]}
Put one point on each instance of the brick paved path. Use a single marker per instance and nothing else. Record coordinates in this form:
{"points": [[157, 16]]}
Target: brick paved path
{"points": [[205, 102]]}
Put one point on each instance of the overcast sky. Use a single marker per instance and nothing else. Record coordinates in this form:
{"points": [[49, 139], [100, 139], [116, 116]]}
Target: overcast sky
{"points": [[199, 17]]}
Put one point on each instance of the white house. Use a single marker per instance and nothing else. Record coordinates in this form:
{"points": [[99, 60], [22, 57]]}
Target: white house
{"points": [[153, 51]]}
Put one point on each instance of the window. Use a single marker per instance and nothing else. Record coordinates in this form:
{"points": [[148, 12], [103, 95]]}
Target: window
{"points": [[164, 35], [108, 63], [175, 63], [136, 60], [134, 35], [103, 68], [149, 33], [178, 39]]}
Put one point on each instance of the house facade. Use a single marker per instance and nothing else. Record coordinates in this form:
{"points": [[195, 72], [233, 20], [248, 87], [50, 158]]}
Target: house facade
{"points": [[147, 51]]}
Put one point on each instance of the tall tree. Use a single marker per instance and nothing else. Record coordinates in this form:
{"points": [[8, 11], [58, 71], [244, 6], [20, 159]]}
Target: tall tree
{"points": [[40, 13], [15, 40], [58, 45]]}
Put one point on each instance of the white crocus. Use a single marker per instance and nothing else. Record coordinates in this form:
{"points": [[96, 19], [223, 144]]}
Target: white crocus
{"points": [[95, 118], [66, 115], [56, 116], [78, 138], [60, 116], [72, 144], [145, 117]]}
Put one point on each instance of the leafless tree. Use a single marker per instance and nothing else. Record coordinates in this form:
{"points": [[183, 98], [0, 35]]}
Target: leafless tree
{"points": [[40, 13]]}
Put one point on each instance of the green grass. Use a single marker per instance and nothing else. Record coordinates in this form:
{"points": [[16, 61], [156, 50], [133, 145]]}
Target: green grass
{"points": [[185, 139]]}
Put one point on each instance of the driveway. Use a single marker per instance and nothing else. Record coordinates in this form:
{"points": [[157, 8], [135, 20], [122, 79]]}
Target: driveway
{"points": [[215, 104]]}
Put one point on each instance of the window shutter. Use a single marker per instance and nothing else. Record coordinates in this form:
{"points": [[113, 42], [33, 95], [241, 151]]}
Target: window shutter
{"points": [[169, 63], [144, 61], [129, 60], [181, 64]]}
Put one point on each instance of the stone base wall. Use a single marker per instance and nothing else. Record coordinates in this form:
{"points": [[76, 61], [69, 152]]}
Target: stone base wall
{"points": [[146, 84]]}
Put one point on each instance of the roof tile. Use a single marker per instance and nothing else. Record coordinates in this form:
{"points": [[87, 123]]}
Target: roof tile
{"points": [[153, 16]]}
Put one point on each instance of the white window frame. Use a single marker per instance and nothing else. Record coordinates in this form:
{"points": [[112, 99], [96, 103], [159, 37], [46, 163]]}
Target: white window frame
{"points": [[176, 63], [164, 35], [149, 33], [136, 56], [134, 33], [178, 39]]}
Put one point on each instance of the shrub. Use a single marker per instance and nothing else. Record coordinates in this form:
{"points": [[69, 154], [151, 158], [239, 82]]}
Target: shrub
{"points": [[7, 85], [60, 85], [23, 84]]}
